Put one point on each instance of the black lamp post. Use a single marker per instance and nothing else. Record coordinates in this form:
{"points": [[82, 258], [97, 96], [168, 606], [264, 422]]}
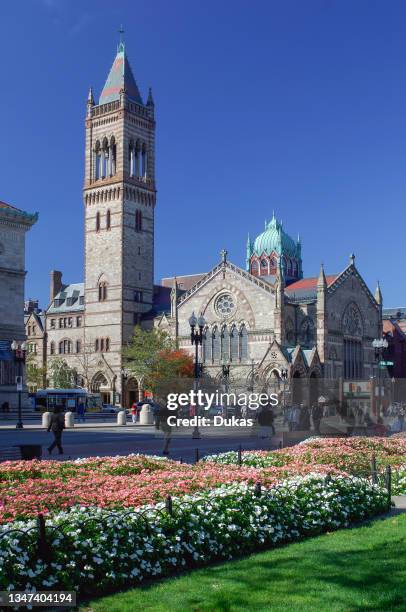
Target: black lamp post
{"points": [[284, 376], [251, 386], [380, 345], [19, 352], [196, 338]]}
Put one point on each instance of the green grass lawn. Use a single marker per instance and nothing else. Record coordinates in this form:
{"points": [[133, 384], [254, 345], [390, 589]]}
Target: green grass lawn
{"points": [[355, 569]]}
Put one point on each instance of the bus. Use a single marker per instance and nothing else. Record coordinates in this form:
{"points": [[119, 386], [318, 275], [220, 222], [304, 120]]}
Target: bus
{"points": [[46, 400]]}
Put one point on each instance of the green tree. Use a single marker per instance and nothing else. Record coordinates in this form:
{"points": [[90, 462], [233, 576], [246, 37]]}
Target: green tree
{"points": [[35, 375], [143, 355], [61, 375]]}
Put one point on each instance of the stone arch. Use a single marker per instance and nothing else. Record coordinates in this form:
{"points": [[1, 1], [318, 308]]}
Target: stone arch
{"points": [[352, 322]]}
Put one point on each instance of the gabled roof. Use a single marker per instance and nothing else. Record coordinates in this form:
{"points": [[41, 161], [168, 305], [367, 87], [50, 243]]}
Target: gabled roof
{"points": [[68, 299], [120, 78], [306, 288], [226, 265]]}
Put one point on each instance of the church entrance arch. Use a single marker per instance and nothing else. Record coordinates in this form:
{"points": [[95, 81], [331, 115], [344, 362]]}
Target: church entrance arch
{"points": [[132, 392], [101, 385], [297, 388]]}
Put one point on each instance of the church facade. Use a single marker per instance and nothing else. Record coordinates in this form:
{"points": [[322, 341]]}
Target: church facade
{"points": [[268, 318], [259, 320]]}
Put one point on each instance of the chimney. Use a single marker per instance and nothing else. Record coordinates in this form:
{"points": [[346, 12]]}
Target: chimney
{"points": [[56, 284]]}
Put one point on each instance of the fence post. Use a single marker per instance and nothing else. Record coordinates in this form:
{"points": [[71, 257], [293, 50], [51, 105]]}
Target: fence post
{"points": [[196, 455], [388, 479], [374, 474], [239, 458], [43, 549], [169, 506], [257, 489]]}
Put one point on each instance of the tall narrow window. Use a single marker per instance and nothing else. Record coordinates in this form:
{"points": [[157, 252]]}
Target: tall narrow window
{"points": [[137, 158], [131, 158], [52, 348], [234, 344], [138, 220], [207, 355], [97, 221], [243, 343], [215, 344], [102, 291], [144, 160], [102, 345], [96, 345], [225, 344], [112, 156], [78, 346], [97, 161], [107, 344], [108, 219]]}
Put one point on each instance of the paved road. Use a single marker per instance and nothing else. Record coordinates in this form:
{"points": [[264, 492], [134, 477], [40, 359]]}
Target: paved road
{"points": [[103, 441]]}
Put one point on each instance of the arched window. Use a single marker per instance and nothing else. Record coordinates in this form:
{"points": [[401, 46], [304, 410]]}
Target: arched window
{"points": [[107, 344], [52, 348], [215, 343], [243, 343], [108, 219], [97, 161], [207, 354], [273, 265], [138, 221], [102, 291], [254, 268], [137, 158], [234, 344], [96, 345], [105, 158], [65, 347], [131, 157], [225, 344], [144, 160], [78, 346], [112, 156], [97, 221]]}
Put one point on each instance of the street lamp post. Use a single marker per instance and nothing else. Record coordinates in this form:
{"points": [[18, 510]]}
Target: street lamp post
{"points": [[19, 352], [284, 376], [225, 372], [380, 345], [196, 338], [251, 387]]}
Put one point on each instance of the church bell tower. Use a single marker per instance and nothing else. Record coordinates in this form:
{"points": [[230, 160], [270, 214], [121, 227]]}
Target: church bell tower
{"points": [[119, 200]]}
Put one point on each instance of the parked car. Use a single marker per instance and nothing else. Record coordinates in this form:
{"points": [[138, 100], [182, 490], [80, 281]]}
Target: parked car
{"points": [[111, 409]]}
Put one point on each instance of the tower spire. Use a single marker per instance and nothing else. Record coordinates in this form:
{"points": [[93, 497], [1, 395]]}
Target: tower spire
{"points": [[378, 294], [321, 281]]}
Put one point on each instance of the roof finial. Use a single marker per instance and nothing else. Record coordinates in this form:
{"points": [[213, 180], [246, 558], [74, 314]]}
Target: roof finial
{"points": [[150, 101], [352, 259], [90, 98], [121, 32], [223, 254], [378, 294], [266, 223]]}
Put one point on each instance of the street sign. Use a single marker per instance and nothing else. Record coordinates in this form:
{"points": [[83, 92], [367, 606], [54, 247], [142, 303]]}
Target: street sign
{"points": [[383, 364], [19, 383]]}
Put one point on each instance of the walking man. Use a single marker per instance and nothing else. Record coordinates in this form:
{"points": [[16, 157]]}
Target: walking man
{"points": [[57, 425]]}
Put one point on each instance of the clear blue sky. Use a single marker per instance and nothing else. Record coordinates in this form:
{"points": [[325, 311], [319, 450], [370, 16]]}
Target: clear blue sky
{"points": [[297, 106]]}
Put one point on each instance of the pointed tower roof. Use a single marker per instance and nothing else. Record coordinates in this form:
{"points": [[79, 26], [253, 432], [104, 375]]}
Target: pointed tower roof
{"points": [[321, 281], [378, 294], [120, 78]]}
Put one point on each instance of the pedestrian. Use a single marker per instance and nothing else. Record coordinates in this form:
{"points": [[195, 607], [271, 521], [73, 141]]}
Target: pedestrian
{"points": [[265, 421], [317, 414], [5, 407], [57, 425], [401, 418], [162, 424], [81, 412], [134, 409]]}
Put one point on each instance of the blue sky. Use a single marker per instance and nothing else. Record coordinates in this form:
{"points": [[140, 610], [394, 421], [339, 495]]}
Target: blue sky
{"points": [[297, 106]]}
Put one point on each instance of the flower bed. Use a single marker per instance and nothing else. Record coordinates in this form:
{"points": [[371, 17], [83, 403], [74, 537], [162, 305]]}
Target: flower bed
{"points": [[92, 546], [51, 486], [352, 455]]}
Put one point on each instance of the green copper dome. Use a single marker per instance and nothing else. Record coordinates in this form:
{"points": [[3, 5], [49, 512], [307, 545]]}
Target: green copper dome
{"points": [[275, 239]]}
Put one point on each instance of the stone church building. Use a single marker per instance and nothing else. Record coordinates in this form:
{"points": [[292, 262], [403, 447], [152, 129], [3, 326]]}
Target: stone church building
{"points": [[263, 318]]}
